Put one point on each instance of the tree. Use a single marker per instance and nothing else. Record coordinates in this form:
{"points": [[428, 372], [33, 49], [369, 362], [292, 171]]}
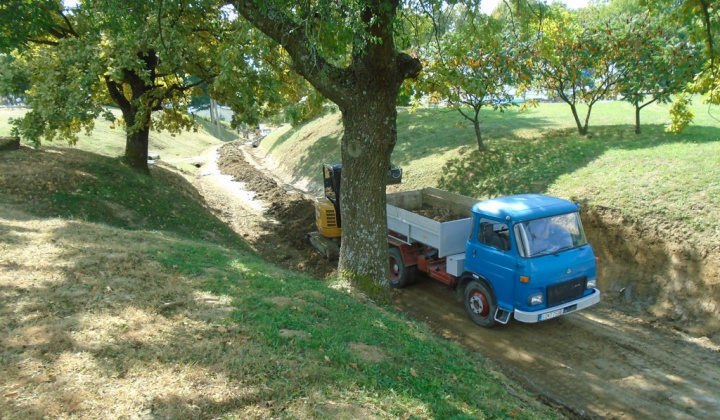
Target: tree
{"points": [[701, 18], [654, 61], [574, 61], [475, 66], [347, 51], [136, 54], [14, 82]]}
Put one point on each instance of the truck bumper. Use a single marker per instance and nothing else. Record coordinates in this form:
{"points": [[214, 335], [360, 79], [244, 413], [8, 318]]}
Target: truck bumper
{"points": [[556, 311]]}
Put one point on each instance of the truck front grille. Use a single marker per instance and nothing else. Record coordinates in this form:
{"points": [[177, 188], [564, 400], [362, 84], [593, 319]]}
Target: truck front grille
{"points": [[565, 292]]}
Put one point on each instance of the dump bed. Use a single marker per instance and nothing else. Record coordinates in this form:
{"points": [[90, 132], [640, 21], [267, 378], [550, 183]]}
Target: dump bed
{"points": [[434, 217]]}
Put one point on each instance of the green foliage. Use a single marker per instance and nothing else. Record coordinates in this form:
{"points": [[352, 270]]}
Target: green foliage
{"points": [[680, 115], [655, 61], [147, 57], [473, 66], [573, 59], [701, 20]]}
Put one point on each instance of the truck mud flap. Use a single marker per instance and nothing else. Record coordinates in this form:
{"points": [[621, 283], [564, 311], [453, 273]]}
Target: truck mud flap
{"points": [[502, 316]]}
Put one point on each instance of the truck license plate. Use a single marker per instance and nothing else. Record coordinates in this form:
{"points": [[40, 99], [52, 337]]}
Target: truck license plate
{"points": [[550, 315]]}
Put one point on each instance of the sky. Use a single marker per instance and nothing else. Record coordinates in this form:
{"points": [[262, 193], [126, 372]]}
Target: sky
{"points": [[487, 6]]}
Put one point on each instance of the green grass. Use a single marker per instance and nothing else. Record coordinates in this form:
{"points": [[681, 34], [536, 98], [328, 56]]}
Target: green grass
{"points": [[654, 173], [80, 185], [414, 373]]}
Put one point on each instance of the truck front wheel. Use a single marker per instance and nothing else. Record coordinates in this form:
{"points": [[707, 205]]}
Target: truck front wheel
{"points": [[480, 304], [400, 275]]}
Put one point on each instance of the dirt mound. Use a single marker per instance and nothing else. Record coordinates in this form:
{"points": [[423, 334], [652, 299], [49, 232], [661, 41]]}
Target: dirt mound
{"points": [[289, 215]]}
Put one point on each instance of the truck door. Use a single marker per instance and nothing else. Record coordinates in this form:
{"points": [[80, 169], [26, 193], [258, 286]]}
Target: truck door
{"points": [[489, 254]]}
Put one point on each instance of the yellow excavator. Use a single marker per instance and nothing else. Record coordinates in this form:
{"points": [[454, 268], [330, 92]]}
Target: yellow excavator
{"points": [[326, 240]]}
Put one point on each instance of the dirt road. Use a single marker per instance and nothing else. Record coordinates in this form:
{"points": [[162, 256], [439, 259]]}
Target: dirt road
{"points": [[600, 363]]}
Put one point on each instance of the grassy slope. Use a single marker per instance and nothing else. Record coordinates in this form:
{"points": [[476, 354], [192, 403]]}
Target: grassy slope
{"points": [[123, 295], [109, 141], [656, 174]]}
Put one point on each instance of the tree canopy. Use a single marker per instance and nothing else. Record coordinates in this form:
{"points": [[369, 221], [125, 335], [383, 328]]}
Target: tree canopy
{"points": [[144, 56]]}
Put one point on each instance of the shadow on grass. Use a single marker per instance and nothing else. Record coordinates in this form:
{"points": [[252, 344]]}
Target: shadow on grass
{"points": [[73, 184], [120, 323], [218, 131], [515, 166], [282, 139]]}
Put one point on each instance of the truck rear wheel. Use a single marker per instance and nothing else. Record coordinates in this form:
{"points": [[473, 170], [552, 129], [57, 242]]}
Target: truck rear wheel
{"points": [[400, 275], [480, 304]]}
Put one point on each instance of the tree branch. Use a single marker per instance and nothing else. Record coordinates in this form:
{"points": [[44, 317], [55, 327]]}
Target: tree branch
{"points": [[277, 25], [43, 42]]}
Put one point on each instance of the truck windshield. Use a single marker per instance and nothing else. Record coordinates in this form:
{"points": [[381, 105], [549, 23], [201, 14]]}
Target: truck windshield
{"points": [[549, 235]]}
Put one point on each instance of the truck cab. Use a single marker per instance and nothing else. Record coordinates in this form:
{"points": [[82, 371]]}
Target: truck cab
{"points": [[526, 256]]}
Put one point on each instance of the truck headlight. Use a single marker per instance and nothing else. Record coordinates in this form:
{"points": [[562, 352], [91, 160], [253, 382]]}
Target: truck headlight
{"points": [[535, 299], [592, 283]]}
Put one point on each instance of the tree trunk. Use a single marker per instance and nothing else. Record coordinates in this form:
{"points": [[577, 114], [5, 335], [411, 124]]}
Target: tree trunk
{"points": [[581, 130], [136, 140], [478, 135], [476, 125], [637, 119], [136, 149], [478, 132], [587, 119], [366, 146]]}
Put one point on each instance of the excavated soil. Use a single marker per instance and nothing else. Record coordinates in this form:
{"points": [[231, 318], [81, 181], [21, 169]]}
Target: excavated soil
{"points": [[273, 218], [649, 350]]}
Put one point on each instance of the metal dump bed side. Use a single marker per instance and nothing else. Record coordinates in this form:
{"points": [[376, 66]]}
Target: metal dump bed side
{"points": [[447, 237]]}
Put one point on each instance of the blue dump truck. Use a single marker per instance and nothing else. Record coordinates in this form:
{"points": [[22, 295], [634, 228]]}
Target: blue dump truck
{"points": [[524, 256]]}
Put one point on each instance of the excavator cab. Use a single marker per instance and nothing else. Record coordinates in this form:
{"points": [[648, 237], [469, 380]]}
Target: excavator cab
{"points": [[327, 209]]}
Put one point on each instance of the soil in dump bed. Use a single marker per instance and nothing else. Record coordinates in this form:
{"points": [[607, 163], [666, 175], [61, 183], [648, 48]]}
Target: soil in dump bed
{"points": [[439, 214]]}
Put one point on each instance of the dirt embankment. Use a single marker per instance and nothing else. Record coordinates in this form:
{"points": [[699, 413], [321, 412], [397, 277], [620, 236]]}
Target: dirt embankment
{"points": [[648, 267], [277, 230]]}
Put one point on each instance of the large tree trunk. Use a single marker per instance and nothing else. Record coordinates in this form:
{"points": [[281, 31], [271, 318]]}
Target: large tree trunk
{"points": [[637, 119], [136, 149], [136, 139], [367, 144]]}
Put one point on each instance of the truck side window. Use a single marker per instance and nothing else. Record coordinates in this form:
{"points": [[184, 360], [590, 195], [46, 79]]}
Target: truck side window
{"points": [[495, 235]]}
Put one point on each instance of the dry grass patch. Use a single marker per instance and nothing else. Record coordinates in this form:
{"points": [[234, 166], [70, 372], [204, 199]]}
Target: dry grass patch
{"points": [[84, 329]]}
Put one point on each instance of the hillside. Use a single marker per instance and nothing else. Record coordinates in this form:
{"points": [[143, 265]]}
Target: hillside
{"points": [[127, 297], [652, 200]]}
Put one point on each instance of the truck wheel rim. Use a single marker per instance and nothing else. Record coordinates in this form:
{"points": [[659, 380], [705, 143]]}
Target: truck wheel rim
{"points": [[394, 269], [478, 303]]}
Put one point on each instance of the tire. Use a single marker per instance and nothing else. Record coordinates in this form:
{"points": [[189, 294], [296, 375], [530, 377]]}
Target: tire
{"points": [[480, 304], [400, 275]]}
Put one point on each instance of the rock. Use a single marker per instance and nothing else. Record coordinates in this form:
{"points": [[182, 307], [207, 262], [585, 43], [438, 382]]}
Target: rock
{"points": [[9, 143]]}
